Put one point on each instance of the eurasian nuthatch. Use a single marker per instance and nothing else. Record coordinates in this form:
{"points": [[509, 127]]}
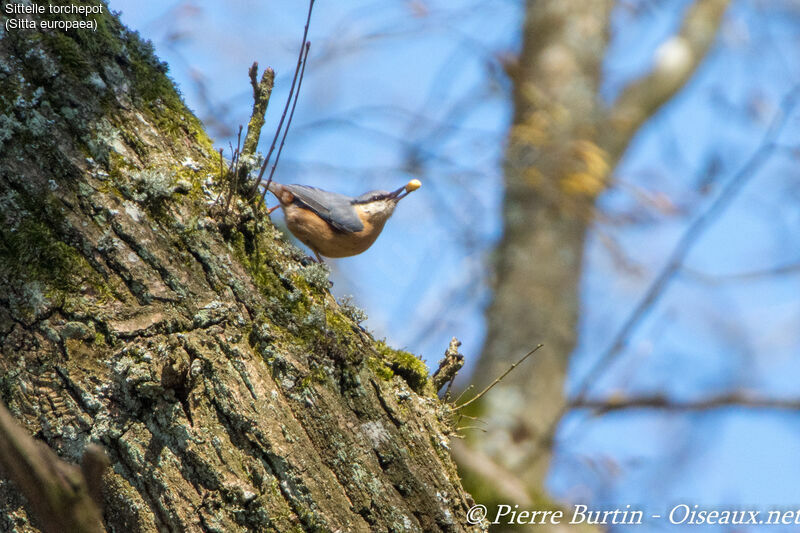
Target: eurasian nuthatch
{"points": [[335, 225]]}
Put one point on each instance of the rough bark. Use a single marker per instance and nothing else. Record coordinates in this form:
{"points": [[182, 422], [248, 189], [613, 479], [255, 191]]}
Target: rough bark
{"points": [[204, 353], [563, 146]]}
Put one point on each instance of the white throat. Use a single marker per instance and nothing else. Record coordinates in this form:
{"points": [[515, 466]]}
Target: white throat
{"points": [[379, 211]]}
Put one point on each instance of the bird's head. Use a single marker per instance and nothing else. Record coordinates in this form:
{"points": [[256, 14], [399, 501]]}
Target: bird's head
{"points": [[379, 205]]}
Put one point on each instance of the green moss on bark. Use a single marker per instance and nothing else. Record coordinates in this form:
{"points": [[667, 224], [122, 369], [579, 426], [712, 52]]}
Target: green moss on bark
{"points": [[406, 365]]}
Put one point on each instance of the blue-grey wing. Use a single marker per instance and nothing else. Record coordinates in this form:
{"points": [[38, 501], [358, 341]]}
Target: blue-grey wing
{"points": [[334, 208]]}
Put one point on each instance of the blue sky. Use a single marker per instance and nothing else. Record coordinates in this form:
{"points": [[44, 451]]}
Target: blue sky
{"points": [[411, 88]]}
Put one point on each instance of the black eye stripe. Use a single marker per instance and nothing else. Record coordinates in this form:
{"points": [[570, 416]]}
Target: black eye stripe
{"points": [[371, 196]]}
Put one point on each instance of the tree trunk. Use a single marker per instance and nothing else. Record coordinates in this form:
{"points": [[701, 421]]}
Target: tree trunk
{"points": [[554, 171], [563, 145], [205, 354]]}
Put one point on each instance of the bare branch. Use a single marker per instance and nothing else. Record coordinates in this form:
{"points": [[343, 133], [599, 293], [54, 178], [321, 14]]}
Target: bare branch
{"points": [[675, 62], [58, 493], [261, 93], [449, 366]]}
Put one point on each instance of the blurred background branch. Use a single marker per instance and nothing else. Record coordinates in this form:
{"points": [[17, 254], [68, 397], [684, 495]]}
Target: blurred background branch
{"points": [[726, 401], [62, 497], [674, 62]]}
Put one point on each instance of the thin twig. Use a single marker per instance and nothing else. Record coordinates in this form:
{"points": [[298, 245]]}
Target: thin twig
{"points": [[472, 427], [475, 418], [234, 182], [463, 392], [289, 122], [498, 379], [288, 100], [221, 177], [446, 395]]}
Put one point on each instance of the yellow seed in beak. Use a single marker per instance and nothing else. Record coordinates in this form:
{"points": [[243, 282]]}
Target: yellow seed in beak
{"points": [[413, 185]]}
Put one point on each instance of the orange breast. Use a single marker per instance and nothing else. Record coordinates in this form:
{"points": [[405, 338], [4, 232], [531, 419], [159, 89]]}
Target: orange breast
{"points": [[323, 238]]}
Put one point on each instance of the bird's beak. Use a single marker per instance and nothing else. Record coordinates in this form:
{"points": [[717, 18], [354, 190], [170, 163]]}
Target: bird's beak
{"points": [[412, 185], [396, 194]]}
